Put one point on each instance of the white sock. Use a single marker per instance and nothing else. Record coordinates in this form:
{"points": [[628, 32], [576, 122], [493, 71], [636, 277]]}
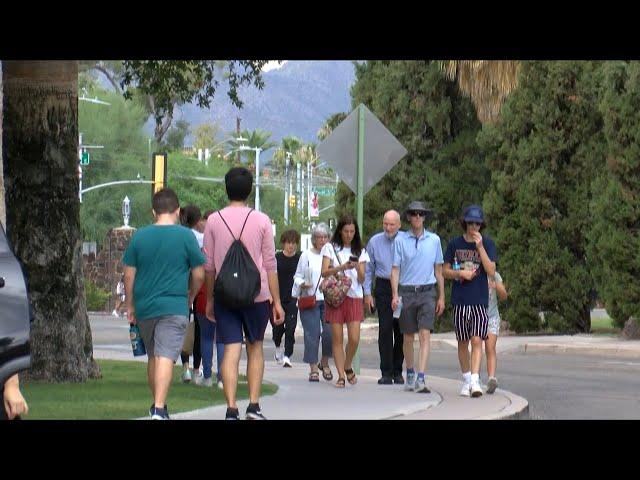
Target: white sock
{"points": [[475, 378], [467, 377]]}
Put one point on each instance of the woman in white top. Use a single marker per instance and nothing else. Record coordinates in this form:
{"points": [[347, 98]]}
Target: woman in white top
{"points": [[346, 255], [306, 283]]}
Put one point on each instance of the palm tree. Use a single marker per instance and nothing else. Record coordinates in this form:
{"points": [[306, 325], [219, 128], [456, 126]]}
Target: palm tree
{"points": [[254, 138], [40, 143], [288, 144], [486, 82], [330, 124]]}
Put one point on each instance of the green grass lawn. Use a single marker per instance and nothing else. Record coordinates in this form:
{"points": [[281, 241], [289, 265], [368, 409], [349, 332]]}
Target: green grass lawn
{"points": [[121, 393], [603, 325]]}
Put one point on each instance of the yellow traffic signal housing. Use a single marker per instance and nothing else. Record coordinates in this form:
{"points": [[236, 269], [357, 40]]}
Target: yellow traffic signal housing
{"points": [[158, 172]]}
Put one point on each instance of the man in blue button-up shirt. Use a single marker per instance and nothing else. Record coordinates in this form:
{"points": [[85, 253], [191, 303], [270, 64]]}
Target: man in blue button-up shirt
{"points": [[416, 273], [380, 250]]}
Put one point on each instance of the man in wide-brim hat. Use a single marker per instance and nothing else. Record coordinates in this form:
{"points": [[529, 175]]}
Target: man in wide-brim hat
{"points": [[417, 277]]}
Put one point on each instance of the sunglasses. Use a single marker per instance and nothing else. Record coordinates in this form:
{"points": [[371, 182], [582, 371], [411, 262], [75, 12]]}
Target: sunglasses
{"points": [[479, 224], [413, 213]]}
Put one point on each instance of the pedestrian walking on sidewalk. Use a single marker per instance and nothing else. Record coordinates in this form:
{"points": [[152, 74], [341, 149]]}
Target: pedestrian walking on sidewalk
{"points": [[287, 262], [417, 277], [390, 340], [120, 297], [306, 284], [163, 272], [241, 266], [191, 217], [345, 255], [497, 291], [469, 260]]}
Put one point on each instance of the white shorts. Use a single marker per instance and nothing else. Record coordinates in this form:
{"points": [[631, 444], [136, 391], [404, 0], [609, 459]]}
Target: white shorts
{"points": [[494, 325]]}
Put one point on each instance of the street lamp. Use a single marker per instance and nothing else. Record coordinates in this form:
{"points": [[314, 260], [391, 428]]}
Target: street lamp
{"points": [[257, 150], [126, 210], [287, 187]]}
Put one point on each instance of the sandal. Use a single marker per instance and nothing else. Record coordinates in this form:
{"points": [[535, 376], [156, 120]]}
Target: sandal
{"points": [[314, 377], [340, 383], [327, 376], [351, 377]]}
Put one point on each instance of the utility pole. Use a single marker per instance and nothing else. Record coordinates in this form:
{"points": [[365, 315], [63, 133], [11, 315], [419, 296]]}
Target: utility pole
{"points": [[238, 132]]}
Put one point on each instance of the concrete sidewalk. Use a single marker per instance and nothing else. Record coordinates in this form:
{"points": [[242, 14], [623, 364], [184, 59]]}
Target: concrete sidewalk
{"points": [[299, 399]]}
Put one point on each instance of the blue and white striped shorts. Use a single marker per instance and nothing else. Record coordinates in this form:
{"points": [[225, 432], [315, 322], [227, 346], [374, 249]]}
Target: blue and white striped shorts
{"points": [[470, 321]]}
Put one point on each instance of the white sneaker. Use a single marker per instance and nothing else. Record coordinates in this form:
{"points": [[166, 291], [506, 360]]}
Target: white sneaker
{"points": [[476, 390], [465, 391], [186, 375], [197, 377], [286, 362], [206, 382], [115, 313], [220, 385], [279, 355]]}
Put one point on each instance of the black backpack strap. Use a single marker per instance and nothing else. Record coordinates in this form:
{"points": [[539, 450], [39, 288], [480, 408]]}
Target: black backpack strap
{"points": [[245, 222], [228, 225]]}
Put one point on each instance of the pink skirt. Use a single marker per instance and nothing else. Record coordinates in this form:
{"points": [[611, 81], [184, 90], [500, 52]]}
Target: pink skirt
{"points": [[351, 310]]}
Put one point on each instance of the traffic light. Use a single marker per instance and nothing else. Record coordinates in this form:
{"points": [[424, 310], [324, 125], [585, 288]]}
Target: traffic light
{"points": [[292, 200], [158, 172]]}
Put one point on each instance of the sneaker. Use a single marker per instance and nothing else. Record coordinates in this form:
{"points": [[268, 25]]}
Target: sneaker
{"points": [[279, 355], [254, 412], [159, 413], [476, 390], [286, 362], [492, 384], [186, 375], [232, 414], [220, 385], [197, 377], [421, 386], [115, 313], [206, 382], [465, 391], [411, 382]]}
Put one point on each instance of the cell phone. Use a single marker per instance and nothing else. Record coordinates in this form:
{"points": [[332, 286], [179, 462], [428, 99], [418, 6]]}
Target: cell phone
{"points": [[353, 258]]}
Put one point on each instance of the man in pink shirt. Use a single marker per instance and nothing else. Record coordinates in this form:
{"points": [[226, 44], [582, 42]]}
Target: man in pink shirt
{"points": [[257, 237]]}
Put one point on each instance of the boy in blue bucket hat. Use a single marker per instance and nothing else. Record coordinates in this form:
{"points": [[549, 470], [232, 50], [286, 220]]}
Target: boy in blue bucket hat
{"points": [[476, 257]]}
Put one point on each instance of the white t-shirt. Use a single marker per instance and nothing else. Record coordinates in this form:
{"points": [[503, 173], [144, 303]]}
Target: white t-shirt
{"points": [[199, 237], [343, 254], [308, 271]]}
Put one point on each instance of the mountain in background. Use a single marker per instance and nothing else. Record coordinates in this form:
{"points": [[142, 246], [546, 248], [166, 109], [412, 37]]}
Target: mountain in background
{"points": [[296, 100]]}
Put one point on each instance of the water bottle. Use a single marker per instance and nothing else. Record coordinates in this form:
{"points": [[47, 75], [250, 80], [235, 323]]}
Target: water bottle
{"points": [[398, 310], [137, 344], [456, 266]]}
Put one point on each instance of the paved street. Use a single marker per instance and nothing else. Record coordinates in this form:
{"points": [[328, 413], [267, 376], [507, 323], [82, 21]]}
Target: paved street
{"points": [[557, 386]]}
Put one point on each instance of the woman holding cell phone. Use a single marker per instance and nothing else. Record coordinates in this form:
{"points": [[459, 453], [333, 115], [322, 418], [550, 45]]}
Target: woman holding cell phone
{"points": [[345, 254]]}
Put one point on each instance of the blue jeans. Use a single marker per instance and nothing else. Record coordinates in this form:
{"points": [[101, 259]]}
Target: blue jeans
{"points": [[313, 323], [207, 339]]}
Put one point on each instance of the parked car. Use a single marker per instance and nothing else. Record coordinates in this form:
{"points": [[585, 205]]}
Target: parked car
{"points": [[15, 314]]}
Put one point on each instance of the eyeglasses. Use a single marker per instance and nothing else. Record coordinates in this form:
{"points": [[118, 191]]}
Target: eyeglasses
{"points": [[414, 213]]}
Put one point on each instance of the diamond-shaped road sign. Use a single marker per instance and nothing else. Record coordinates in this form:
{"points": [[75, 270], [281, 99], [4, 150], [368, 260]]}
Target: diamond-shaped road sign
{"points": [[381, 150]]}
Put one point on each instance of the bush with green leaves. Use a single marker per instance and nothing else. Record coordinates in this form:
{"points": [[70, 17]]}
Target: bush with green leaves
{"points": [[95, 296], [543, 155]]}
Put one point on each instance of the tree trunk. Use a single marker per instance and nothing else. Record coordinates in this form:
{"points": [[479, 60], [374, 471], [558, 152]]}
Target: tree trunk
{"points": [[43, 213]]}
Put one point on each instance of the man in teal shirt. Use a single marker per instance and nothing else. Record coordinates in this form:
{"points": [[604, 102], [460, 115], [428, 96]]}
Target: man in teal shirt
{"points": [[157, 264]]}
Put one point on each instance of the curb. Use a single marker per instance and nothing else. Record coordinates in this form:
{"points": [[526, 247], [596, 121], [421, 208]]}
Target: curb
{"points": [[632, 352]]}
